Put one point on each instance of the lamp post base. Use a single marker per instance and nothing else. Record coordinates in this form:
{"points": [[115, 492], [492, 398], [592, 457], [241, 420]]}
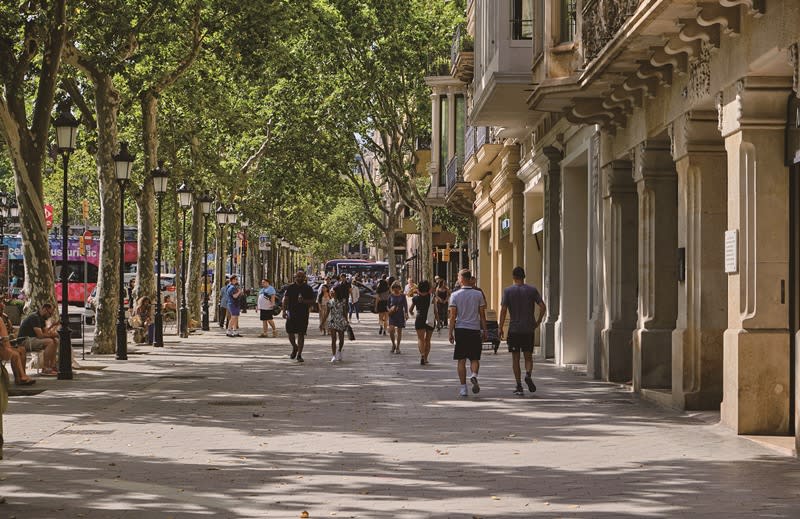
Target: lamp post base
{"points": [[158, 333], [205, 325], [64, 353], [184, 319], [122, 340]]}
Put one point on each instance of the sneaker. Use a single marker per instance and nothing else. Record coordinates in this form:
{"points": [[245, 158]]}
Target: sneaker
{"points": [[475, 387], [463, 391], [300, 359], [333, 359], [531, 385], [339, 356], [519, 391]]}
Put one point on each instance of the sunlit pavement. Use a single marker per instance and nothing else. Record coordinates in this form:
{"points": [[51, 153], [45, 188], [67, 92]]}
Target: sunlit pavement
{"points": [[230, 427]]}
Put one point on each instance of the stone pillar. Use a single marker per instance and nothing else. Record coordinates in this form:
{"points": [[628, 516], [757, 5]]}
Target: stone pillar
{"points": [[436, 129], [620, 253], [551, 249], [756, 390], [702, 295], [657, 186], [451, 122]]}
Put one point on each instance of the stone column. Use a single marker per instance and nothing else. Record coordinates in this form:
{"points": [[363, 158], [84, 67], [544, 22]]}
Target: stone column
{"points": [[451, 122], [702, 295], [436, 129], [657, 186], [551, 249], [756, 356], [620, 253]]}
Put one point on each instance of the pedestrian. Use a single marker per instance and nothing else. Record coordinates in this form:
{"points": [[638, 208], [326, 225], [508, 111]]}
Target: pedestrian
{"points": [[520, 301], [382, 304], [426, 317], [235, 299], [41, 336], [296, 301], [355, 295], [467, 329], [337, 319], [442, 298], [398, 314], [410, 288], [223, 305], [266, 307], [323, 296]]}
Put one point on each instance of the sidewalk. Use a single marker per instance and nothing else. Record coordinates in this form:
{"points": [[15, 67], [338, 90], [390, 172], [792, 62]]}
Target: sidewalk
{"points": [[231, 427]]}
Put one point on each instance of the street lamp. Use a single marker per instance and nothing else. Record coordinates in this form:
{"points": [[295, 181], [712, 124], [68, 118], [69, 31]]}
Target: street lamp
{"points": [[244, 223], [222, 219], [123, 163], [184, 200], [66, 134], [160, 180], [206, 203], [3, 214]]}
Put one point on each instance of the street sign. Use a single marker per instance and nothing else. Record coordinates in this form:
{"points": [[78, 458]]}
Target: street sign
{"points": [[48, 215], [88, 236], [85, 209]]}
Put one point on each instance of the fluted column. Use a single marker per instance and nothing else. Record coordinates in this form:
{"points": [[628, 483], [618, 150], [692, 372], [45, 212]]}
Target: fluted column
{"points": [[756, 342], [657, 187], [620, 253], [702, 294], [551, 253]]}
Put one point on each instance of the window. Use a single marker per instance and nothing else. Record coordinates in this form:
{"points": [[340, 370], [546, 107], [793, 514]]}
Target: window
{"points": [[460, 129], [444, 139], [567, 20], [522, 19]]}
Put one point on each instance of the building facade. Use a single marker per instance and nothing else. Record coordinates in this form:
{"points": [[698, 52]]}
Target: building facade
{"points": [[644, 159]]}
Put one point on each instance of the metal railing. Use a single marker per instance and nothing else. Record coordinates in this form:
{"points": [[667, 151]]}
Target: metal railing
{"points": [[462, 42], [455, 172], [469, 143]]}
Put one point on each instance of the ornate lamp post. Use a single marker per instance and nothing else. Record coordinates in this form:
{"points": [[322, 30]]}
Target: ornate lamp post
{"points": [[160, 179], [3, 214], [222, 219], [66, 135], [123, 163], [206, 202], [244, 223], [184, 200]]}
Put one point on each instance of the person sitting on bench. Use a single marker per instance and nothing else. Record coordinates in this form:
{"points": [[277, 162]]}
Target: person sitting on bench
{"points": [[17, 356], [40, 337]]}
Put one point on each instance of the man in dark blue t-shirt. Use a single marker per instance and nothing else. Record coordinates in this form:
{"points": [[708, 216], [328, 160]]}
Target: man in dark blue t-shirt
{"points": [[521, 300], [296, 303]]}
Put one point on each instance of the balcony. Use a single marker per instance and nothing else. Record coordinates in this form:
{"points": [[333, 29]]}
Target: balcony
{"points": [[462, 60], [485, 148], [459, 192], [602, 20]]}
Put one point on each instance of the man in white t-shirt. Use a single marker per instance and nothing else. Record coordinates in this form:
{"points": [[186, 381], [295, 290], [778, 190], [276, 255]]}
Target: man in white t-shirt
{"points": [[467, 329], [355, 294]]}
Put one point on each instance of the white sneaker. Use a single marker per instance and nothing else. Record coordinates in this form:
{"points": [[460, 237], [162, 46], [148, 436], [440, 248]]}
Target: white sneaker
{"points": [[462, 391], [338, 356], [333, 359]]}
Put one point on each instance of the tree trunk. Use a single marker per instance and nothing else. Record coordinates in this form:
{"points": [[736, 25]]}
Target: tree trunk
{"points": [[425, 246], [389, 247], [194, 270], [107, 101], [145, 202], [219, 269]]}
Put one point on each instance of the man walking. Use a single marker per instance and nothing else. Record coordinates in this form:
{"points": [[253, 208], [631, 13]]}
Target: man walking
{"points": [[467, 329], [355, 295], [296, 301], [521, 300], [235, 302]]}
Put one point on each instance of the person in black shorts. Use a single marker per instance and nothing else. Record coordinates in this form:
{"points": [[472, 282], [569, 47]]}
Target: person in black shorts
{"points": [[467, 329], [426, 318], [299, 296], [521, 300]]}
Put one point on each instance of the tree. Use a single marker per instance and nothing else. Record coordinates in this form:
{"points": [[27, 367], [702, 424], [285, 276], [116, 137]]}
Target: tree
{"points": [[32, 37]]}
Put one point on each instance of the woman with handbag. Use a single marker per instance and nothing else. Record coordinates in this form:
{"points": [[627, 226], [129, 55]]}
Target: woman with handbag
{"points": [[442, 299], [398, 313], [337, 319], [426, 319]]}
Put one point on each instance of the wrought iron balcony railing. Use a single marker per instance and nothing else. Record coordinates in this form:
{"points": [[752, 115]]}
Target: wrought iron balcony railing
{"points": [[602, 20], [455, 172]]}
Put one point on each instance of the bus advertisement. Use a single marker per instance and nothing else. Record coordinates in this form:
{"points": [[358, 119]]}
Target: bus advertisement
{"points": [[82, 269]]}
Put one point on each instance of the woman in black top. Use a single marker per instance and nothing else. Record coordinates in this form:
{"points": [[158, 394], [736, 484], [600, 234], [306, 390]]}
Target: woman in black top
{"points": [[423, 302], [382, 305], [442, 297]]}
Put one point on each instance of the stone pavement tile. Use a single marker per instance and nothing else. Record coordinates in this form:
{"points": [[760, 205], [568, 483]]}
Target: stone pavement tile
{"points": [[233, 428]]}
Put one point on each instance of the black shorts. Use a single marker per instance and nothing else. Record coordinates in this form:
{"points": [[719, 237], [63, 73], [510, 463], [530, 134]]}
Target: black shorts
{"points": [[520, 342], [267, 315], [469, 344], [421, 325], [297, 324], [383, 306]]}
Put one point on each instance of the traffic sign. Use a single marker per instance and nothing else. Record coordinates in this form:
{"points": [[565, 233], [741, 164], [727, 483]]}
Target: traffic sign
{"points": [[88, 236], [48, 215]]}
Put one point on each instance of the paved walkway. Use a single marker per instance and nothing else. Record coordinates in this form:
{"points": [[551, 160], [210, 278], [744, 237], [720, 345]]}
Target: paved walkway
{"points": [[212, 426]]}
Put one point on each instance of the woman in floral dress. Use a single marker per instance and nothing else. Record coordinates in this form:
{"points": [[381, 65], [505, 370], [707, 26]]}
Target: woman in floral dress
{"points": [[337, 319]]}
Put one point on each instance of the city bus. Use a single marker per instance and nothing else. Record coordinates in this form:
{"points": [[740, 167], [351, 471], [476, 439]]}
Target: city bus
{"points": [[82, 270], [366, 269]]}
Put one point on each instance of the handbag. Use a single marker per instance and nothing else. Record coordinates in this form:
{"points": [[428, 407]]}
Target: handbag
{"points": [[430, 319], [350, 334]]}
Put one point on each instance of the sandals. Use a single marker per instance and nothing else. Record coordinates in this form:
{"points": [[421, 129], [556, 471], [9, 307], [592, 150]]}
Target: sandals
{"points": [[49, 373], [28, 382]]}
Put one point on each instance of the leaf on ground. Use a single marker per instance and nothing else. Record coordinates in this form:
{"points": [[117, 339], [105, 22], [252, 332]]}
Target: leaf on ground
{"points": [[304, 515], [496, 498]]}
